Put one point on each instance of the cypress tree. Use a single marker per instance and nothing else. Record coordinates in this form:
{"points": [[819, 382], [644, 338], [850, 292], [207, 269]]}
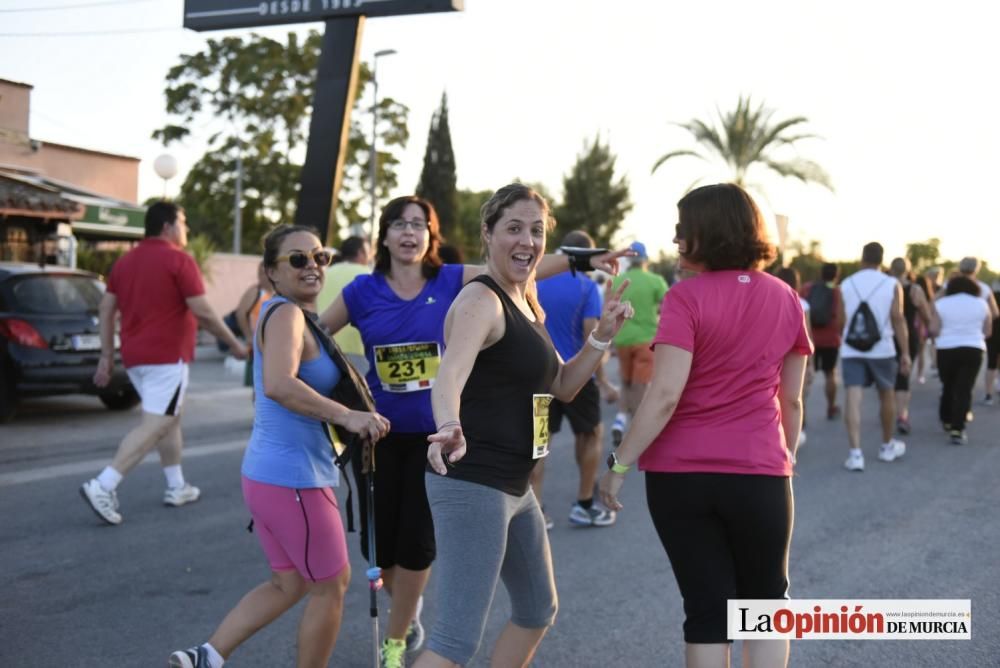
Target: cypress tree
{"points": [[437, 179]]}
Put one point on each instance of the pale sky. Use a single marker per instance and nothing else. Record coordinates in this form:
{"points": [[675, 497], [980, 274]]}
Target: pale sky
{"points": [[900, 93]]}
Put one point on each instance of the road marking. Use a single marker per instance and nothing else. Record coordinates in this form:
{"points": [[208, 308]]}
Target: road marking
{"points": [[220, 394], [91, 466]]}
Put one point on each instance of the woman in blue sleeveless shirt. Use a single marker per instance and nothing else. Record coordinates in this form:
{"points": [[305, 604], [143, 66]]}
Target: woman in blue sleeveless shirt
{"points": [[288, 469], [399, 310]]}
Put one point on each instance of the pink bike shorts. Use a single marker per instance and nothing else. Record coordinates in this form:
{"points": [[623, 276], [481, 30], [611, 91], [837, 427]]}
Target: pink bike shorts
{"points": [[299, 529]]}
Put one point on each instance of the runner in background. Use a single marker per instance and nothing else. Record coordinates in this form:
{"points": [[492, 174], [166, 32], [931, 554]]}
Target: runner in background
{"points": [[353, 260], [825, 308], [790, 276], [923, 331], [635, 358], [572, 306], [916, 311], [993, 353], [935, 280], [248, 311]]}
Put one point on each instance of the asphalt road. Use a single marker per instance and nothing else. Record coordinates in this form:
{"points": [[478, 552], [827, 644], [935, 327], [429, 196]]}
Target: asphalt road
{"points": [[78, 593]]}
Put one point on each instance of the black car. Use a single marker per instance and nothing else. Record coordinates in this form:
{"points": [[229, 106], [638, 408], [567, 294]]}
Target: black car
{"points": [[49, 337]]}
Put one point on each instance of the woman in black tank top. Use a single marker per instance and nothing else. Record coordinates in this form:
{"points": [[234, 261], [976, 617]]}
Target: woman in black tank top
{"points": [[490, 400]]}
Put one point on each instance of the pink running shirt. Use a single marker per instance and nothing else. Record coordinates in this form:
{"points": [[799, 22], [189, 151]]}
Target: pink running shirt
{"points": [[738, 325]]}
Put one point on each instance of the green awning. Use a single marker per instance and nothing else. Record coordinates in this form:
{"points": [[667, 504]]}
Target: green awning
{"points": [[105, 231], [117, 216]]}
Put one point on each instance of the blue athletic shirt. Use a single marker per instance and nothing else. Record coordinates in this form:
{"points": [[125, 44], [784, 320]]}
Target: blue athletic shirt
{"points": [[385, 320], [567, 301], [287, 448]]}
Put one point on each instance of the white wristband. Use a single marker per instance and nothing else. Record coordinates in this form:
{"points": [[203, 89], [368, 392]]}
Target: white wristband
{"points": [[600, 345]]}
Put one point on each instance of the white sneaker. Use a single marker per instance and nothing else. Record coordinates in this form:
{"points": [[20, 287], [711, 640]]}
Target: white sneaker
{"points": [[591, 517], [855, 461], [178, 496], [415, 634], [891, 451], [618, 428], [102, 502]]}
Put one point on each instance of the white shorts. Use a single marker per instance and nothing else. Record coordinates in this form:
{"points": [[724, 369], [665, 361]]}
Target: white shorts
{"points": [[160, 386]]}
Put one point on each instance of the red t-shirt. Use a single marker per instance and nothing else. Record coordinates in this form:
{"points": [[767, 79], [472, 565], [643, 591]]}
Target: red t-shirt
{"points": [[829, 335], [151, 283], [738, 325]]}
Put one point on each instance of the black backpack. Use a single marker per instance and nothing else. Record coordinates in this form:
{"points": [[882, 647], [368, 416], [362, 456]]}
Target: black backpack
{"points": [[863, 331], [820, 304]]}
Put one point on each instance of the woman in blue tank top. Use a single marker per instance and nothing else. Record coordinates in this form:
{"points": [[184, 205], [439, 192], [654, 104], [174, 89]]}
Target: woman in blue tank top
{"points": [[490, 403], [400, 310], [288, 468]]}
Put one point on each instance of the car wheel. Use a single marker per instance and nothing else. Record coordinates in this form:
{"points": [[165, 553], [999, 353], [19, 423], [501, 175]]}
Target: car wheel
{"points": [[121, 399]]}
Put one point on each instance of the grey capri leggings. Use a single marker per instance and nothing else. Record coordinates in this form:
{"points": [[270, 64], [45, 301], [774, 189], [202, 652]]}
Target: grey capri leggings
{"points": [[483, 534]]}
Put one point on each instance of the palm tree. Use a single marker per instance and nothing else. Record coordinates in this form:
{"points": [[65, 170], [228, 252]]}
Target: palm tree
{"points": [[745, 137]]}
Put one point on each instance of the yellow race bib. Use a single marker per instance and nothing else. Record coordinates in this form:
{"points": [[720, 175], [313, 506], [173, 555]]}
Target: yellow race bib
{"points": [[540, 415], [407, 367]]}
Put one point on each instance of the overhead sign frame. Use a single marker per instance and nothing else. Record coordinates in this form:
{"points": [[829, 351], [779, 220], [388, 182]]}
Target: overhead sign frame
{"points": [[228, 14], [336, 80]]}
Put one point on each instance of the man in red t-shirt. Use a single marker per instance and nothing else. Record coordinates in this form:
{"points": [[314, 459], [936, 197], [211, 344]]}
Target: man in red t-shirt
{"points": [[827, 328], [158, 290]]}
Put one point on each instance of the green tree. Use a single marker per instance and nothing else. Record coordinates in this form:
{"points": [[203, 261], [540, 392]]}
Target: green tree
{"points": [[923, 255], [258, 94], [666, 266], [437, 179], [745, 138], [466, 234], [808, 260], [593, 200]]}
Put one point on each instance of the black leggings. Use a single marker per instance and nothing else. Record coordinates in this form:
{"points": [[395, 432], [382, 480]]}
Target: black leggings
{"points": [[957, 368], [727, 536]]}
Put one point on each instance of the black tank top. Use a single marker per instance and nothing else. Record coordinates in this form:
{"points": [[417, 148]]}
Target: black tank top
{"points": [[496, 410]]}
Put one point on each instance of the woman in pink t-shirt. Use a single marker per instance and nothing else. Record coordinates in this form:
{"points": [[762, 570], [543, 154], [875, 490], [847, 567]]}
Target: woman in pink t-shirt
{"points": [[717, 429]]}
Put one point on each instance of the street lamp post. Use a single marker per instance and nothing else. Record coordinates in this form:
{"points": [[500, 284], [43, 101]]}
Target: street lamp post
{"points": [[372, 167], [238, 205]]}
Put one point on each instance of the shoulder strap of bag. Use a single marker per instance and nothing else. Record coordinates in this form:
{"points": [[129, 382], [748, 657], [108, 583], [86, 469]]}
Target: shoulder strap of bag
{"points": [[353, 381]]}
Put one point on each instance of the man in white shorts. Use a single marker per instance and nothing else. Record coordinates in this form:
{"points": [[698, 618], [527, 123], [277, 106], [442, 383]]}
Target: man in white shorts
{"points": [[159, 292]]}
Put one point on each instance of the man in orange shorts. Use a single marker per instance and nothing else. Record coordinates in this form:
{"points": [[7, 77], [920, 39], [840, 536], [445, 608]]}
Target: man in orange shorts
{"points": [[635, 358]]}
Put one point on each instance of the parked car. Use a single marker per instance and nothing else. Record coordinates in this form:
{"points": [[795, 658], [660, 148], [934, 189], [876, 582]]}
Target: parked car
{"points": [[49, 338]]}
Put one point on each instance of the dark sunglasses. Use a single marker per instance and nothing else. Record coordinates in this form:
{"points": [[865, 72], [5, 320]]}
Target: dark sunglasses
{"points": [[299, 260]]}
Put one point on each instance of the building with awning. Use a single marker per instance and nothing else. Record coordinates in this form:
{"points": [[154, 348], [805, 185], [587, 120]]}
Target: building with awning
{"points": [[46, 184], [29, 213]]}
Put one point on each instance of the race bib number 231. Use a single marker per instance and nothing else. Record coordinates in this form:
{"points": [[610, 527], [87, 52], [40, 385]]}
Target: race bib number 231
{"points": [[407, 367]]}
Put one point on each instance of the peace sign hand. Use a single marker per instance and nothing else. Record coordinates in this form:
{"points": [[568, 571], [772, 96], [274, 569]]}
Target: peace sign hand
{"points": [[614, 315]]}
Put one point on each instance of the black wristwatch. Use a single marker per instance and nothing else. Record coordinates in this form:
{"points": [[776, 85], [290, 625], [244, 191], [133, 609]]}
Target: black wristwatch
{"points": [[615, 467]]}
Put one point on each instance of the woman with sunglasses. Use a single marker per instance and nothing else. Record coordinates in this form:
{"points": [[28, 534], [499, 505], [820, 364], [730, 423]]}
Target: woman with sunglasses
{"points": [[288, 468], [400, 309]]}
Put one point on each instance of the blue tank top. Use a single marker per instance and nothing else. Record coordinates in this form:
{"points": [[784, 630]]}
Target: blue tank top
{"points": [[403, 343], [287, 448]]}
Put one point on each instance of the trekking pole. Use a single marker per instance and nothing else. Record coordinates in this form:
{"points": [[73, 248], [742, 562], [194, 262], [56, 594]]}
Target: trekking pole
{"points": [[374, 573]]}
